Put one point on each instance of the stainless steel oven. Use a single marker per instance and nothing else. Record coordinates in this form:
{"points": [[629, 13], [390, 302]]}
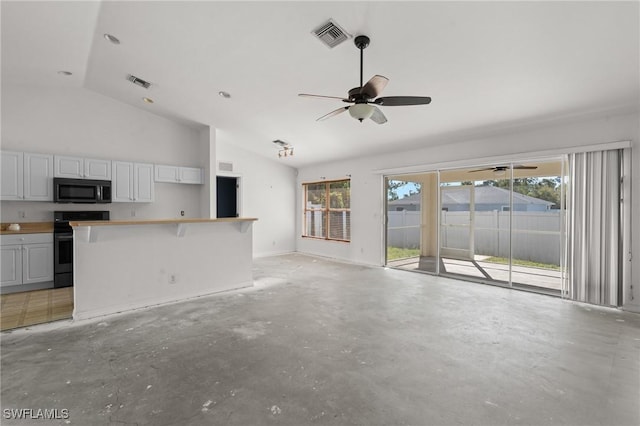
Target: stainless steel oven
{"points": [[63, 243]]}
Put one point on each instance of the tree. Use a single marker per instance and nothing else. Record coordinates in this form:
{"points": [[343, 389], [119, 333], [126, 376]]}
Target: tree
{"points": [[394, 185], [547, 189]]}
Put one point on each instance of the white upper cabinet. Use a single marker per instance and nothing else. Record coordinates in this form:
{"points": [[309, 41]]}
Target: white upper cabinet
{"points": [[38, 177], [190, 175], [143, 189], [97, 169], [69, 167], [82, 168], [12, 175], [166, 173], [132, 182], [26, 176], [122, 183], [176, 174]]}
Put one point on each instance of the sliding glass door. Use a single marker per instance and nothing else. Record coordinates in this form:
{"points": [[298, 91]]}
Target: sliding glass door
{"points": [[502, 224], [474, 224], [412, 222], [538, 230]]}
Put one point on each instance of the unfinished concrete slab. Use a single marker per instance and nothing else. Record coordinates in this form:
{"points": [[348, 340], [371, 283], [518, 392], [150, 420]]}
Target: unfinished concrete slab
{"points": [[323, 342]]}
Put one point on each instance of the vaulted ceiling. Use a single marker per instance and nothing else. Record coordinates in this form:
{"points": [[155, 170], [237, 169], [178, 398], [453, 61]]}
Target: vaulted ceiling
{"points": [[486, 65]]}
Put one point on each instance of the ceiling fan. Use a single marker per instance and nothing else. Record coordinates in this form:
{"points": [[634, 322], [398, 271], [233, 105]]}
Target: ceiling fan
{"points": [[498, 169], [362, 98]]}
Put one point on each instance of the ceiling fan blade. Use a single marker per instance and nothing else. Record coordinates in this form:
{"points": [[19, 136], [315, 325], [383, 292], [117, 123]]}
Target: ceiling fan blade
{"points": [[525, 167], [403, 100], [481, 170], [332, 113], [378, 116], [307, 95], [374, 86]]}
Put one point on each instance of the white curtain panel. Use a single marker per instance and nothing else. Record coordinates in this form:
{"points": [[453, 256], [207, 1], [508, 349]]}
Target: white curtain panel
{"points": [[594, 262]]}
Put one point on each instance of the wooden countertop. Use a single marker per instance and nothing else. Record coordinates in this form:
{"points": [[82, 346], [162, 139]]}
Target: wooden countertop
{"points": [[28, 228], [158, 221]]}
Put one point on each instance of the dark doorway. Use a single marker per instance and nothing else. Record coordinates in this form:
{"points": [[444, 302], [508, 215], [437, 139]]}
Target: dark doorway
{"points": [[227, 196]]}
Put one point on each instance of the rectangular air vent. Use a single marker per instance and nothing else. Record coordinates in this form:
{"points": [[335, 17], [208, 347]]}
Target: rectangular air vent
{"points": [[224, 166], [331, 34], [138, 81]]}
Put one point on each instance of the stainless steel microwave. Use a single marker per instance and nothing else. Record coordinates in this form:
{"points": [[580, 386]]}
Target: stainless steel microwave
{"points": [[81, 191]]}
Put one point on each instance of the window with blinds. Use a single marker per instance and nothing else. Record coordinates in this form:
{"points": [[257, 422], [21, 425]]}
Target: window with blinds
{"points": [[327, 210]]}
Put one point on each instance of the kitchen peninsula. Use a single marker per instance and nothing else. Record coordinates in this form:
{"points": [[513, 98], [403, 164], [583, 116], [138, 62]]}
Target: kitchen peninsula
{"points": [[125, 265]]}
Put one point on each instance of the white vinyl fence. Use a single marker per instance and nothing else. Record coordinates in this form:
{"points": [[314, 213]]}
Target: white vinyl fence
{"points": [[536, 235]]}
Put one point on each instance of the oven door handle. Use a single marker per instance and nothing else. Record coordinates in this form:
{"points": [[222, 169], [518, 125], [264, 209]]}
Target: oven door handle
{"points": [[64, 237]]}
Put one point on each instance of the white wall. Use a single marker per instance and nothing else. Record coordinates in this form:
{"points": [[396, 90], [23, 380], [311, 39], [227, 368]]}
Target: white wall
{"points": [[268, 191], [367, 184], [75, 121]]}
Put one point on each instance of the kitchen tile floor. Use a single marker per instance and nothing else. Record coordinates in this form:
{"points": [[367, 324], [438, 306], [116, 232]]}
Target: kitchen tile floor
{"points": [[35, 307]]}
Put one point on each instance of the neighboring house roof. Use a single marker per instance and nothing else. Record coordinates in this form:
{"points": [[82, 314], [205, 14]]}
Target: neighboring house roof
{"points": [[483, 195], [411, 200]]}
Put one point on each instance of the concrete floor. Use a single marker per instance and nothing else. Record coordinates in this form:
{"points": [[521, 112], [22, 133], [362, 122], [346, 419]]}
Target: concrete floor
{"points": [[322, 342], [487, 271]]}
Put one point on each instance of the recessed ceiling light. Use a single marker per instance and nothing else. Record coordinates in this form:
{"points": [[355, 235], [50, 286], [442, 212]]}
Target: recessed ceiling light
{"points": [[112, 39], [148, 100], [65, 72], [224, 94]]}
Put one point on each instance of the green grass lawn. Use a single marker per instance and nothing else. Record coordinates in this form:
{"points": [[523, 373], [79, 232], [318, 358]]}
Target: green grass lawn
{"points": [[519, 262], [394, 253]]}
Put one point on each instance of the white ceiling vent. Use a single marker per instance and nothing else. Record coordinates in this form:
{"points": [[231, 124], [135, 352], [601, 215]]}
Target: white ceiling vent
{"points": [[138, 81], [331, 34], [225, 166]]}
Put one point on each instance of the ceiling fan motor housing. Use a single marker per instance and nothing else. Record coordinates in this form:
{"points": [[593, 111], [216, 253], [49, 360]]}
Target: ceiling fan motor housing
{"points": [[361, 42], [357, 96]]}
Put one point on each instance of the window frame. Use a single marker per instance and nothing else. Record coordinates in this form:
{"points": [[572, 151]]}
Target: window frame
{"points": [[327, 209]]}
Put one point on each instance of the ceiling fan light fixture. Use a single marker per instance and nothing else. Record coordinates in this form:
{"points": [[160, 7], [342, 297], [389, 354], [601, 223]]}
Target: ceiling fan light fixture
{"points": [[361, 111]]}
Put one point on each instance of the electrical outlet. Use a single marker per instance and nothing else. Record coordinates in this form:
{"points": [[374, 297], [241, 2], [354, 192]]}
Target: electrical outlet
{"points": [[172, 278], [22, 214], [133, 213], [181, 212]]}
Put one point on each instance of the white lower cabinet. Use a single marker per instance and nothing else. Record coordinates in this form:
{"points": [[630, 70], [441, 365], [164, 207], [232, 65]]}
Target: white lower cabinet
{"points": [[37, 263], [132, 182], [11, 273], [26, 258]]}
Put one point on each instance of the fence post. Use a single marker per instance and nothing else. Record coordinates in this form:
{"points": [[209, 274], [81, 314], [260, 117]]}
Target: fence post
{"points": [[497, 225]]}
